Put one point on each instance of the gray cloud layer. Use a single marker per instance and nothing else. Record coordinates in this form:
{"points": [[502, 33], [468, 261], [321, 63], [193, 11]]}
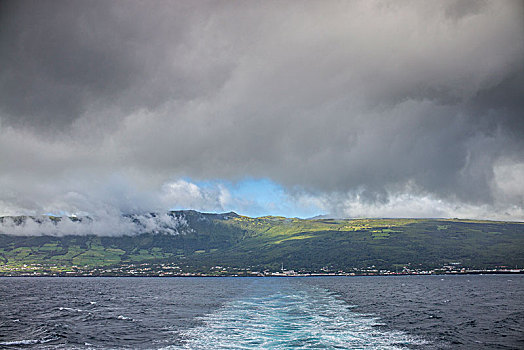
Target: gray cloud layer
{"points": [[350, 104]]}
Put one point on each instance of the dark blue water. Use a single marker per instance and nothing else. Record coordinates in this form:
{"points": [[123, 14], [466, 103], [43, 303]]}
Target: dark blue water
{"points": [[410, 312]]}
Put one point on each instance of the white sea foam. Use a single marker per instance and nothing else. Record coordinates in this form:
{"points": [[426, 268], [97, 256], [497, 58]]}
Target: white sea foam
{"points": [[25, 342], [20, 342], [70, 309], [283, 318]]}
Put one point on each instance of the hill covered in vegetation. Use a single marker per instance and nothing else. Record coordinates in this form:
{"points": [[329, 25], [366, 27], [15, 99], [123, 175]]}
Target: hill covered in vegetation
{"points": [[195, 241]]}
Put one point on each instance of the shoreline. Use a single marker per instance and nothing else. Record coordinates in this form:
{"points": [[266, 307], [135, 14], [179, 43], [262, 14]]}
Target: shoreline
{"points": [[197, 275]]}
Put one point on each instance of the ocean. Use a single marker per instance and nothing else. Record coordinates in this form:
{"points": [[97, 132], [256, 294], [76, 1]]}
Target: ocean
{"points": [[400, 312]]}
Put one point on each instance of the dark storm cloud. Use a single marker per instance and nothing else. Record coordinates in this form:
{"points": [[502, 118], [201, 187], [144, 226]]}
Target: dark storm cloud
{"points": [[65, 58], [355, 105]]}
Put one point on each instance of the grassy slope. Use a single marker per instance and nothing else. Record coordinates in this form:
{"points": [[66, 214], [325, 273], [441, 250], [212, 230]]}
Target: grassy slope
{"points": [[268, 242], [380, 242]]}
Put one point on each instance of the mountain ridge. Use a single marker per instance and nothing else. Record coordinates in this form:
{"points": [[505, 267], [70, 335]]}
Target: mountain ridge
{"points": [[198, 241]]}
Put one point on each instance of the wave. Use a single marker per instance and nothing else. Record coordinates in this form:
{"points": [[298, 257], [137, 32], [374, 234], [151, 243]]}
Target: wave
{"points": [[71, 309], [26, 342], [121, 317]]}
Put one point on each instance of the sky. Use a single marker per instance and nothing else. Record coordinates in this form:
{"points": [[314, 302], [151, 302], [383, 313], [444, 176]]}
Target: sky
{"points": [[293, 108]]}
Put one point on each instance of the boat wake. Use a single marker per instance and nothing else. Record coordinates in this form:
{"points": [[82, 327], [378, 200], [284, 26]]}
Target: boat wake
{"points": [[284, 315]]}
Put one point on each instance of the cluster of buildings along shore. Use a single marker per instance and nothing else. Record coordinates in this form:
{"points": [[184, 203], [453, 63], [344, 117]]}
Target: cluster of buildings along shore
{"points": [[173, 270]]}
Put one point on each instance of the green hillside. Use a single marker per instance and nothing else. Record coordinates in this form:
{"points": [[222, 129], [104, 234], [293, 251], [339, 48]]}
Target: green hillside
{"points": [[266, 243]]}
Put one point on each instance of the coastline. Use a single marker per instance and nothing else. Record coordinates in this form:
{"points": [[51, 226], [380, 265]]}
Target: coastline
{"points": [[276, 274]]}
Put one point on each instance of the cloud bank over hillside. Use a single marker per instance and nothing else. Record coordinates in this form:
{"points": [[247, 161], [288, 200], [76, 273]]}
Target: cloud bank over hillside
{"points": [[101, 225], [357, 108]]}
